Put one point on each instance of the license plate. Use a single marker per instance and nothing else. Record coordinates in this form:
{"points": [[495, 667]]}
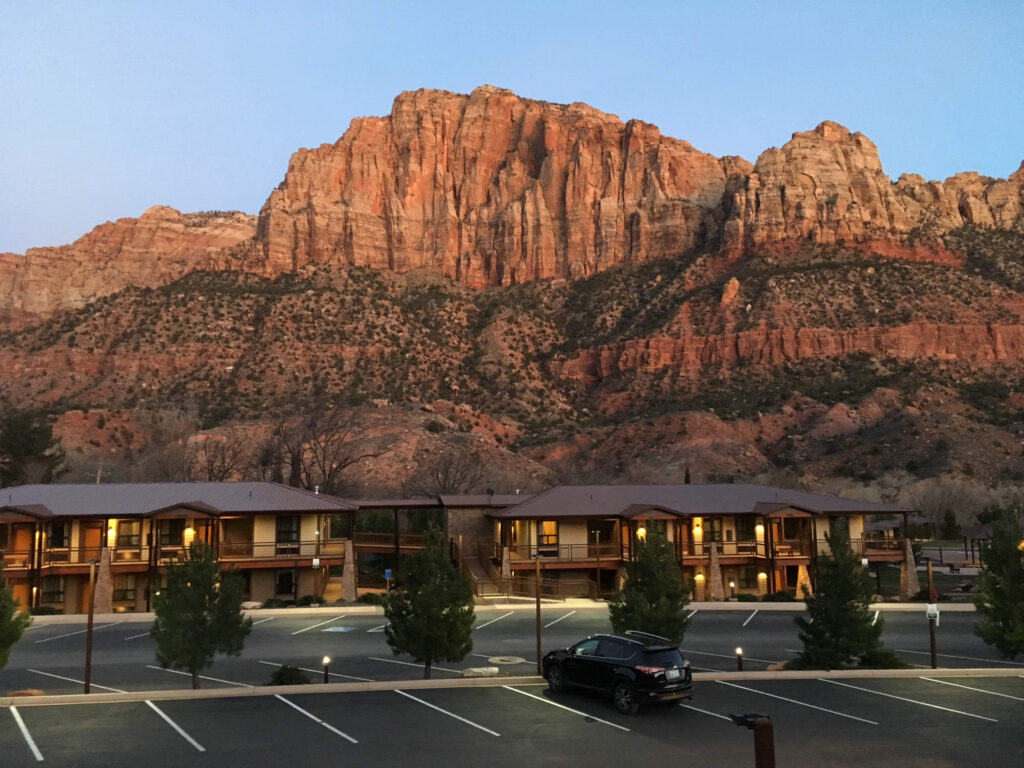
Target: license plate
{"points": [[672, 674]]}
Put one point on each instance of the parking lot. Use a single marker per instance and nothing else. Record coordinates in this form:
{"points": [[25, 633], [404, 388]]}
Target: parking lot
{"points": [[908, 722]]}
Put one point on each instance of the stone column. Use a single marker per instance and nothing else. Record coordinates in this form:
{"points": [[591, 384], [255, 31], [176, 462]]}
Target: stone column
{"points": [[348, 575], [716, 590], [104, 584], [909, 584], [803, 582]]}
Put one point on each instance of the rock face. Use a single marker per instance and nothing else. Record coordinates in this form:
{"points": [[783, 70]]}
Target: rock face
{"points": [[827, 185], [491, 189], [158, 247]]}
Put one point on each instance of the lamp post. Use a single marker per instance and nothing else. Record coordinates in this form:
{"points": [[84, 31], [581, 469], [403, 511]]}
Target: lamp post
{"points": [[88, 627], [536, 558], [327, 665], [732, 586]]}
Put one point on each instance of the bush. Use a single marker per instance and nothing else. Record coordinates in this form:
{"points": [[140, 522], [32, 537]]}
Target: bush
{"points": [[273, 602], [370, 598], [882, 659], [746, 597], [288, 675], [45, 610], [310, 600], [782, 596]]}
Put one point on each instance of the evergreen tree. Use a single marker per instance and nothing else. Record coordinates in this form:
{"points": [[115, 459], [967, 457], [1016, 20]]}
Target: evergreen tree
{"points": [[999, 595], [198, 613], [12, 623], [654, 597], [838, 631], [29, 453], [430, 612]]}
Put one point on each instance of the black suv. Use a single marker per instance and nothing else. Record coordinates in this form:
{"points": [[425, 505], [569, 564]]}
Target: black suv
{"points": [[634, 667]]}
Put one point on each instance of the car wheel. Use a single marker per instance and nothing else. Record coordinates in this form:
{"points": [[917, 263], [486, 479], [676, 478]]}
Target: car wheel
{"points": [[624, 698], [556, 680]]}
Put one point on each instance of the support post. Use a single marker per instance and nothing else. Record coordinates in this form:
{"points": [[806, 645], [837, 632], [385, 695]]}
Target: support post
{"points": [[88, 627], [931, 642], [537, 591]]}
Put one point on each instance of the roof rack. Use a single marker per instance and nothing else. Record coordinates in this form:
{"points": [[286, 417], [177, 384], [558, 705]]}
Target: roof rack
{"points": [[647, 637]]}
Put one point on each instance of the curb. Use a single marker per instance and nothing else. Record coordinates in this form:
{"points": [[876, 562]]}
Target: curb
{"points": [[489, 682]]}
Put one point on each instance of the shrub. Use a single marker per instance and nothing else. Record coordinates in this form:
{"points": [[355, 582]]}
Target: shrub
{"points": [[44, 610], [273, 602], [310, 600], [746, 597], [371, 598], [288, 675], [782, 596]]}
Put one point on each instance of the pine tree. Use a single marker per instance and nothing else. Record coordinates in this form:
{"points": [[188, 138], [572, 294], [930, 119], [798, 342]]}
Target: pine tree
{"points": [[430, 612], [838, 631], [654, 597], [999, 595], [198, 613], [12, 623]]}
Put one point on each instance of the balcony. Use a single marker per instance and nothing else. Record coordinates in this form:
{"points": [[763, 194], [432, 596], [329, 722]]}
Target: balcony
{"points": [[566, 552]]}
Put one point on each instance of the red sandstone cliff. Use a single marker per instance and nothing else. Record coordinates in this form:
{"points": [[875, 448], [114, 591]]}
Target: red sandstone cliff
{"points": [[156, 248]]}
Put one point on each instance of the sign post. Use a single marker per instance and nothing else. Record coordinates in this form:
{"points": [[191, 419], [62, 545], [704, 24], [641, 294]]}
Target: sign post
{"points": [[387, 579], [932, 612]]}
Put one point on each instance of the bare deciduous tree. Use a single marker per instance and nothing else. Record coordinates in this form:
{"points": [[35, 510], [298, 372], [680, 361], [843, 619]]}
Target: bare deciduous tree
{"points": [[215, 458], [452, 471]]}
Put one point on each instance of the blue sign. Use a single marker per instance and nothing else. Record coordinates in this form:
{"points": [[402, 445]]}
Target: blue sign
{"points": [[387, 573]]}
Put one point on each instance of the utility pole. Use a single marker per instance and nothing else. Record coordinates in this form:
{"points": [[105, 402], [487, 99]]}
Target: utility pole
{"points": [[536, 558]]}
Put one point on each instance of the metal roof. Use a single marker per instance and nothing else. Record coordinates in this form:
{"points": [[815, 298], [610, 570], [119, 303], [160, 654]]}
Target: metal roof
{"points": [[568, 501], [485, 499], [141, 499]]}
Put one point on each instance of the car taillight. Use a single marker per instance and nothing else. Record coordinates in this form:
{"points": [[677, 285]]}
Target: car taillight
{"points": [[650, 670]]}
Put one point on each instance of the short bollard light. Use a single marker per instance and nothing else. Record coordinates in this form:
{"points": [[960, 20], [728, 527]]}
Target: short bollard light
{"points": [[327, 665], [739, 659]]}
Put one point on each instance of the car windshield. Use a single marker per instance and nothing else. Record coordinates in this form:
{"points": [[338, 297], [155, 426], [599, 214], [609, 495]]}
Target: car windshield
{"points": [[664, 658]]}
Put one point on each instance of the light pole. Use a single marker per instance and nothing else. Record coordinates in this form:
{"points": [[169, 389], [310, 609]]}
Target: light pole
{"points": [[536, 559], [327, 665], [732, 586], [88, 626]]}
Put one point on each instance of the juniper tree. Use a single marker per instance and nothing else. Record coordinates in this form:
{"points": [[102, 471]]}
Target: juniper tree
{"points": [[12, 623], [999, 596], [430, 613], [199, 613], [839, 631], [654, 597]]}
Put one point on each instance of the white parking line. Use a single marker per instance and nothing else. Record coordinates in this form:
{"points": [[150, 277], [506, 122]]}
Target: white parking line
{"points": [[27, 735], [306, 629], [410, 664], [201, 677], [377, 629], [570, 613], [748, 619], [567, 709], [969, 688], [315, 719], [73, 680], [79, 632], [320, 672], [912, 701], [488, 623], [729, 656], [175, 726], [136, 637], [873, 620], [705, 712], [693, 613], [968, 658], [798, 703], [450, 714], [269, 618]]}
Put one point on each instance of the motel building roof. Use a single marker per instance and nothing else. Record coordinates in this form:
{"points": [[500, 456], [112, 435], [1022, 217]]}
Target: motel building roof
{"points": [[123, 500], [691, 500]]}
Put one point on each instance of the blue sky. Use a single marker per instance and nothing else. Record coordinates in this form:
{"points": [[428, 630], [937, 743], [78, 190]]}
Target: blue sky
{"points": [[110, 107]]}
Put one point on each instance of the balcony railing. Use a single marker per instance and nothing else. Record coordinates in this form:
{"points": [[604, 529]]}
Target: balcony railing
{"points": [[566, 552], [387, 539]]}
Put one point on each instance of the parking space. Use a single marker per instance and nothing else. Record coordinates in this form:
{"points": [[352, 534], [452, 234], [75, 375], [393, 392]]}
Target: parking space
{"points": [[905, 722]]}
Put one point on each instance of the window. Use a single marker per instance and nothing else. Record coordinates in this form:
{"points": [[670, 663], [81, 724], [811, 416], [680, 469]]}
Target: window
{"points": [[547, 533], [53, 589], [587, 648], [58, 535], [748, 577], [172, 533], [615, 649], [124, 587], [129, 534], [284, 582], [791, 527], [3, 536], [287, 529], [745, 528], [713, 529], [339, 526]]}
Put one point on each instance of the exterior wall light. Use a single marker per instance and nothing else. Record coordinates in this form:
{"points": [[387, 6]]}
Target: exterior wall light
{"points": [[641, 533]]}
